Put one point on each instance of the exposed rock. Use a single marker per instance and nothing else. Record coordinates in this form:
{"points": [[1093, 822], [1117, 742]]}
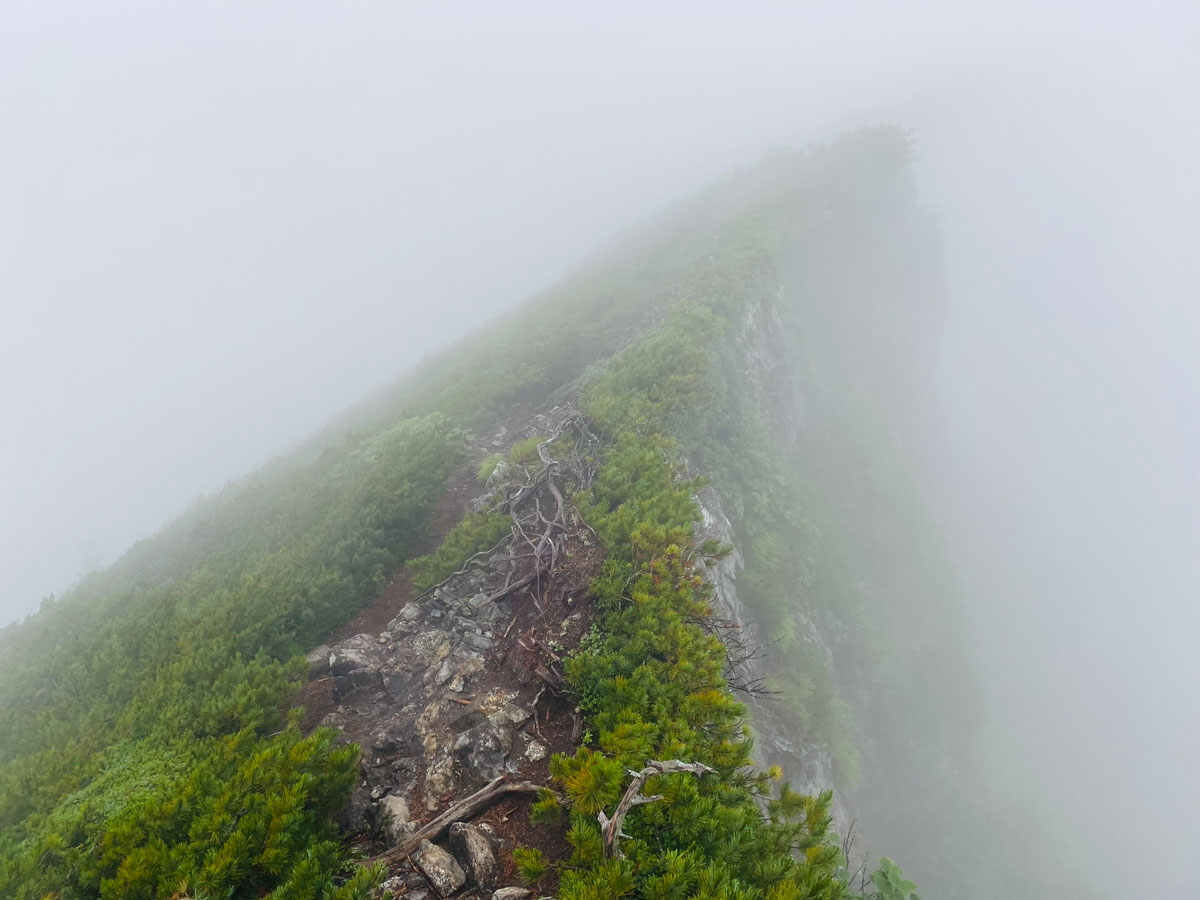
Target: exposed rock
{"points": [[442, 869], [534, 750], [490, 613], [409, 885], [439, 780], [484, 748], [807, 764], [474, 851], [367, 681], [444, 672], [391, 887], [318, 662], [501, 472], [512, 893], [387, 739], [405, 697], [405, 619], [478, 641], [489, 831], [359, 652], [397, 819], [356, 815]]}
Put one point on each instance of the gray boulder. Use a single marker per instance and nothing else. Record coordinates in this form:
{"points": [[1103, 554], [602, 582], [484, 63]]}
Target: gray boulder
{"points": [[397, 819], [474, 851], [409, 885], [359, 652], [318, 662], [484, 749], [493, 837], [512, 893], [442, 869]]}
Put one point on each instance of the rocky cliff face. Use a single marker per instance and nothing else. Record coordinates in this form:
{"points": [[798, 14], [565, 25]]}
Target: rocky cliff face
{"points": [[807, 765], [767, 377]]}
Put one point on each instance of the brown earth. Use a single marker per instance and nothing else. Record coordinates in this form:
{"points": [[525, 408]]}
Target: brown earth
{"points": [[317, 696], [450, 507]]}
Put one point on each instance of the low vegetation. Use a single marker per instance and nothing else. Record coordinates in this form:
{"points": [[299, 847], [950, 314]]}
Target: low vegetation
{"points": [[147, 749], [141, 714], [651, 680]]}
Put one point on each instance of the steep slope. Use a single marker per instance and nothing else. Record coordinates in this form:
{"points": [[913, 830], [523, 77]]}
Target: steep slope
{"points": [[766, 335]]}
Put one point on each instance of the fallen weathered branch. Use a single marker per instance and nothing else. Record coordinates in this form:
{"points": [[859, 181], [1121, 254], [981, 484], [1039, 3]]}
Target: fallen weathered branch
{"points": [[610, 829], [464, 809]]}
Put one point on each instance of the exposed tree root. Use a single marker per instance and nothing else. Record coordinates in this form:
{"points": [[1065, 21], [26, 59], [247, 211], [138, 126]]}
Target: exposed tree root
{"points": [[542, 535]]}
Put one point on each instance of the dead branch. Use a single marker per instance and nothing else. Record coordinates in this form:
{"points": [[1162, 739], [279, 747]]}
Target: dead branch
{"points": [[532, 707], [557, 684], [464, 809], [610, 829], [739, 655], [539, 531]]}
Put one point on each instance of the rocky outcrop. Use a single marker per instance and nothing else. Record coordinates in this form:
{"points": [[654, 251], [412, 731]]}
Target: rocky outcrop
{"points": [[442, 700], [407, 697], [807, 765], [767, 377], [767, 374]]}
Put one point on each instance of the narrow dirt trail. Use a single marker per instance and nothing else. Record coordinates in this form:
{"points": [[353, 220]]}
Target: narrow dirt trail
{"points": [[374, 617]]}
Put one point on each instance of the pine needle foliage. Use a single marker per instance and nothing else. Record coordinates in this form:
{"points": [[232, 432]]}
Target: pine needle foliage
{"points": [[652, 684], [141, 730]]}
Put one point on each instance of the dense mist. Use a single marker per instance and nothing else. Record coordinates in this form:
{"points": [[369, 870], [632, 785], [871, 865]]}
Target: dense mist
{"points": [[222, 225]]}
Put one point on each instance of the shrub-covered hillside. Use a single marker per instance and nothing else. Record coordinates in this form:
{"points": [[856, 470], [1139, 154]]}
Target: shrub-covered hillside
{"points": [[763, 338]]}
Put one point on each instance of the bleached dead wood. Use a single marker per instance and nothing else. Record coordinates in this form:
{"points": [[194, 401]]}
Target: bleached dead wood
{"points": [[464, 809], [610, 829]]}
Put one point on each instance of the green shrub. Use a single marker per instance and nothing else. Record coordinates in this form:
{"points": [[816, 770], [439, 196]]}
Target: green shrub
{"points": [[488, 466], [891, 884], [531, 864], [182, 660], [474, 533], [651, 681], [526, 451]]}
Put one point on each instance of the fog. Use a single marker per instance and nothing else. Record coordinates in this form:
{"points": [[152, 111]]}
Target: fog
{"points": [[220, 224]]}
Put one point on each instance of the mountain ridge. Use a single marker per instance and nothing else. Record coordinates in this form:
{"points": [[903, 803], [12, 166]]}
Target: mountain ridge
{"points": [[655, 340]]}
